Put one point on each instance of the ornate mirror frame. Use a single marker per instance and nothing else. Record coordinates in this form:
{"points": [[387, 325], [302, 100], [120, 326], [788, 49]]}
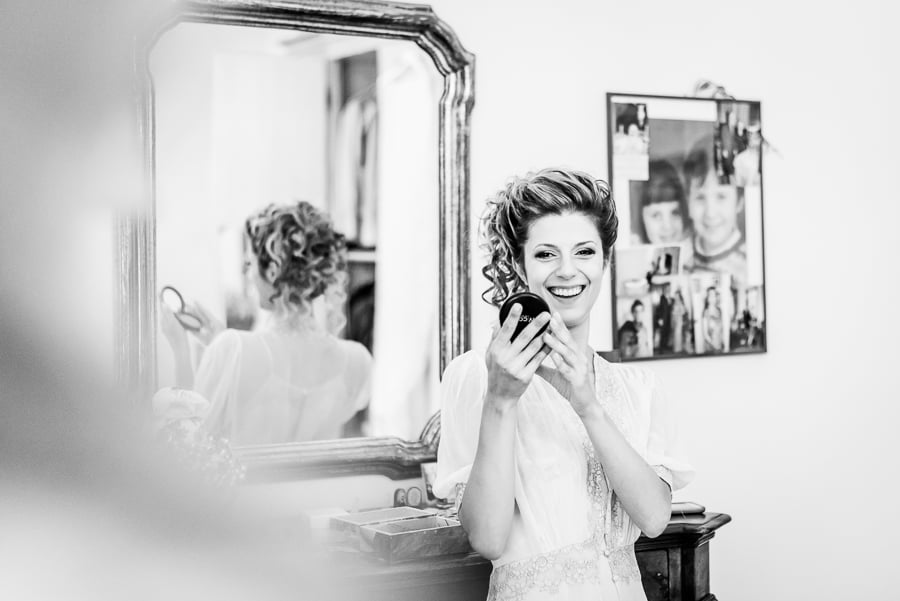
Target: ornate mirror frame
{"points": [[135, 343]]}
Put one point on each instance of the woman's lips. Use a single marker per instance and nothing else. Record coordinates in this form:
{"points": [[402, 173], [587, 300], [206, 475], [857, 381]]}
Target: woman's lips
{"points": [[566, 292]]}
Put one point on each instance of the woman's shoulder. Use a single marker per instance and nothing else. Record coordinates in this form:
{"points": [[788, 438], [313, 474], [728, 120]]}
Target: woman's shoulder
{"points": [[352, 348], [469, 363], [228, 339], [633, 374]]}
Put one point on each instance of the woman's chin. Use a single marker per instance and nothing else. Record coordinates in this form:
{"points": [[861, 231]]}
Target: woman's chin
{"points": [[571, 316]]}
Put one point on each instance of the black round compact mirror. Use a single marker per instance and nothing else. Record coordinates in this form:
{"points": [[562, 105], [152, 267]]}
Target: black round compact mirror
{"points": [[532, 306]]}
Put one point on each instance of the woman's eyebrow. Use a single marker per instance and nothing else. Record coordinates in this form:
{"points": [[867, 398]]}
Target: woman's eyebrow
{"points": [[547, 244]]}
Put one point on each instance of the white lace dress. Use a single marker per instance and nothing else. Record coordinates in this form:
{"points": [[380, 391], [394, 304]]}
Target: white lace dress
{"points": [[570, 536]]}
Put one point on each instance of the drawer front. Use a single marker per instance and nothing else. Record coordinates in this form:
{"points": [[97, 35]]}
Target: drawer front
{"points": [[654, 567]]}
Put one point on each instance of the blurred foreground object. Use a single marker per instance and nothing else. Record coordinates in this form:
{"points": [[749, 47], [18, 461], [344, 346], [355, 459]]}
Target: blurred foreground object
{"points": [[89, 506]]}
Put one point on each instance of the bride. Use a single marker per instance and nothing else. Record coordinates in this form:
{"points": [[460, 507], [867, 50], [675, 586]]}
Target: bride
{"points": [[292, 380], [557, 459]]}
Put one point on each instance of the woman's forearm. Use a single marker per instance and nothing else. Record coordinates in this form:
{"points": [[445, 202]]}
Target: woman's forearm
{"points": [[184, 371], [489, 499], [645, 497]]}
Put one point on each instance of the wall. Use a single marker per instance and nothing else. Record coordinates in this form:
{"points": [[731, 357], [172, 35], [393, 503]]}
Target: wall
{"points": [[794, 444]]}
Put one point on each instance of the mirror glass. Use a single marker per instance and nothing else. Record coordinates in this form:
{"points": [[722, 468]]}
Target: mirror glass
{"points": [[340, 133]]}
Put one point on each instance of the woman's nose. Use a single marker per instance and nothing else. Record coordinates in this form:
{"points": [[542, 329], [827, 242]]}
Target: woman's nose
{"points": [[566, 268]]}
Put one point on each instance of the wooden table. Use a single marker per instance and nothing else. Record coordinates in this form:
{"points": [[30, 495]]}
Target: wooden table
{"points": [[674, 567]]}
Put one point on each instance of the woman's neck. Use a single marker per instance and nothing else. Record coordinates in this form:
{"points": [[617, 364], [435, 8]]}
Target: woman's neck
{"points": [[580, 333], [285, 320]]}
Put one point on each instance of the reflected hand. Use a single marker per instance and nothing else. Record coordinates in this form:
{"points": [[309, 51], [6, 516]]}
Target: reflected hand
{"points": [[512, 363], [210, 325], [573, 377]]}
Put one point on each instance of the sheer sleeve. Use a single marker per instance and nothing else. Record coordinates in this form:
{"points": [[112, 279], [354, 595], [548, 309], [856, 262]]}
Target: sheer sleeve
{"points": [[217, 380], [665, 452], [462, 394]]}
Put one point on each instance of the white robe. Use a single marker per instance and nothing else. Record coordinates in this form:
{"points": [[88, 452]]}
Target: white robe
{"points": [[273, 387], [570, 536]]}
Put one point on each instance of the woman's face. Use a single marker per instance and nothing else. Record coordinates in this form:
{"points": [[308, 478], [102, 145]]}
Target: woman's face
{"points": [[663, 222], [563, 261], [714, 211]]}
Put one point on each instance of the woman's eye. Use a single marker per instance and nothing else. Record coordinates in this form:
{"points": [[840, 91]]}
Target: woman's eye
{"points": [[586, 252], [543, 254]]}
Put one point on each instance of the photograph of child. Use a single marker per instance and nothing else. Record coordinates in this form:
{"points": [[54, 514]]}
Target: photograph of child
{"points": [[659, 206], [716, 211]]}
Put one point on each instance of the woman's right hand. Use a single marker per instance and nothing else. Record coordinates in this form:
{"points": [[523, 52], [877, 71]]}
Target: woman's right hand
{"points": [[512, 364]]}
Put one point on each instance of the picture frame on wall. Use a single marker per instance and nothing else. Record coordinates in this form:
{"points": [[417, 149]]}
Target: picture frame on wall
{"points": [[688, 274]]}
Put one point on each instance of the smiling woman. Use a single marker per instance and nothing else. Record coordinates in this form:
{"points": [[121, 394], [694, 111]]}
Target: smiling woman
{"points": [[538, 430]]}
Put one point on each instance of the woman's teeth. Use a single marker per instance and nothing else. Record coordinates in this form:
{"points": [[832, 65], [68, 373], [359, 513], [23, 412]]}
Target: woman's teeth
{"points": [[566, 292]]}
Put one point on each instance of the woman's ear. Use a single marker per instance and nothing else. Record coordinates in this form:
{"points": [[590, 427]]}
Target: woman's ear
{"points": [[519, 269], [271, 273]]}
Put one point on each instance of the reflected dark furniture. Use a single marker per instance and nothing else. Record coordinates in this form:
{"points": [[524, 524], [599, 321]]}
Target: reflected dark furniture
{"points": [[674, 567]]}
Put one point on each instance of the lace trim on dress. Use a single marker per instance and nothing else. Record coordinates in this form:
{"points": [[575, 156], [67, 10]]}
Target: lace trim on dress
{"points": [[575, 564], [580, 563]]}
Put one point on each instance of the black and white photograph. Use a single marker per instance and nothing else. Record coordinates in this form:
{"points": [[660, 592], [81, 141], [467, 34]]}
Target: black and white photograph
{"points": [[362, 300], [702, 194], [634, 334], [631, 140]]}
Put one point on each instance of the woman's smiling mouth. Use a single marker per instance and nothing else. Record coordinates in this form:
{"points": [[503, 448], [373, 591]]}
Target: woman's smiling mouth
{"points": [[566, 291]]}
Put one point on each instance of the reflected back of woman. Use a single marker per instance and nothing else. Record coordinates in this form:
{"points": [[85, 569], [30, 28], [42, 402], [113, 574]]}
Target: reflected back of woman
{"points": [[292, 379]]}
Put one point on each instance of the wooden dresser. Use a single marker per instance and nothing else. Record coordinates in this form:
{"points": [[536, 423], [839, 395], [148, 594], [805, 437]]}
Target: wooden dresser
{"points": [[674, 567]]}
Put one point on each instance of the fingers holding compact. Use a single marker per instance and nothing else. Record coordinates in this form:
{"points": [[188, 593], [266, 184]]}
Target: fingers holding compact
{"points": [[512, 361], [569, 359], [574, 364]]}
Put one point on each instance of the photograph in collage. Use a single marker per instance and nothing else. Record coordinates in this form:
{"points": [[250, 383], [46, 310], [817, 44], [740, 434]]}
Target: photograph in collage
{"points": [[692, 220], [634, 334]]}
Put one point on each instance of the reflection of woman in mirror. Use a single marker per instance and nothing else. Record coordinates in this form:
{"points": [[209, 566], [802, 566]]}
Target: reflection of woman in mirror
{"points": [[291, 380], [537, 432]]}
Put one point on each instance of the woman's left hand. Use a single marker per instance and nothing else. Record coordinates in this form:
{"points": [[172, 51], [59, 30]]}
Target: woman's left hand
{"points": [[573, 377]]}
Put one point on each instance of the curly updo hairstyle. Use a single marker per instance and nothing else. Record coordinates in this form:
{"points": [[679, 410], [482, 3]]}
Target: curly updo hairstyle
{"points": [[310, 256], [511, 212]]}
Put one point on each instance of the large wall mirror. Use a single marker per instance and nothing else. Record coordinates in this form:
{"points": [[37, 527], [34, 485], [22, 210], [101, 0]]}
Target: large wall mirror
{"points": [[360, 110]]}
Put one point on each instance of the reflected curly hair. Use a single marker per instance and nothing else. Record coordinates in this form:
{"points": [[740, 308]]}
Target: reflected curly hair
{"points": [[509, 214], [311, 257]]}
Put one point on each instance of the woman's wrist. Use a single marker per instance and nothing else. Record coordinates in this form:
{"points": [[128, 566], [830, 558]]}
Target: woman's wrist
{"points": [[593, 413], [499, 403]]}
